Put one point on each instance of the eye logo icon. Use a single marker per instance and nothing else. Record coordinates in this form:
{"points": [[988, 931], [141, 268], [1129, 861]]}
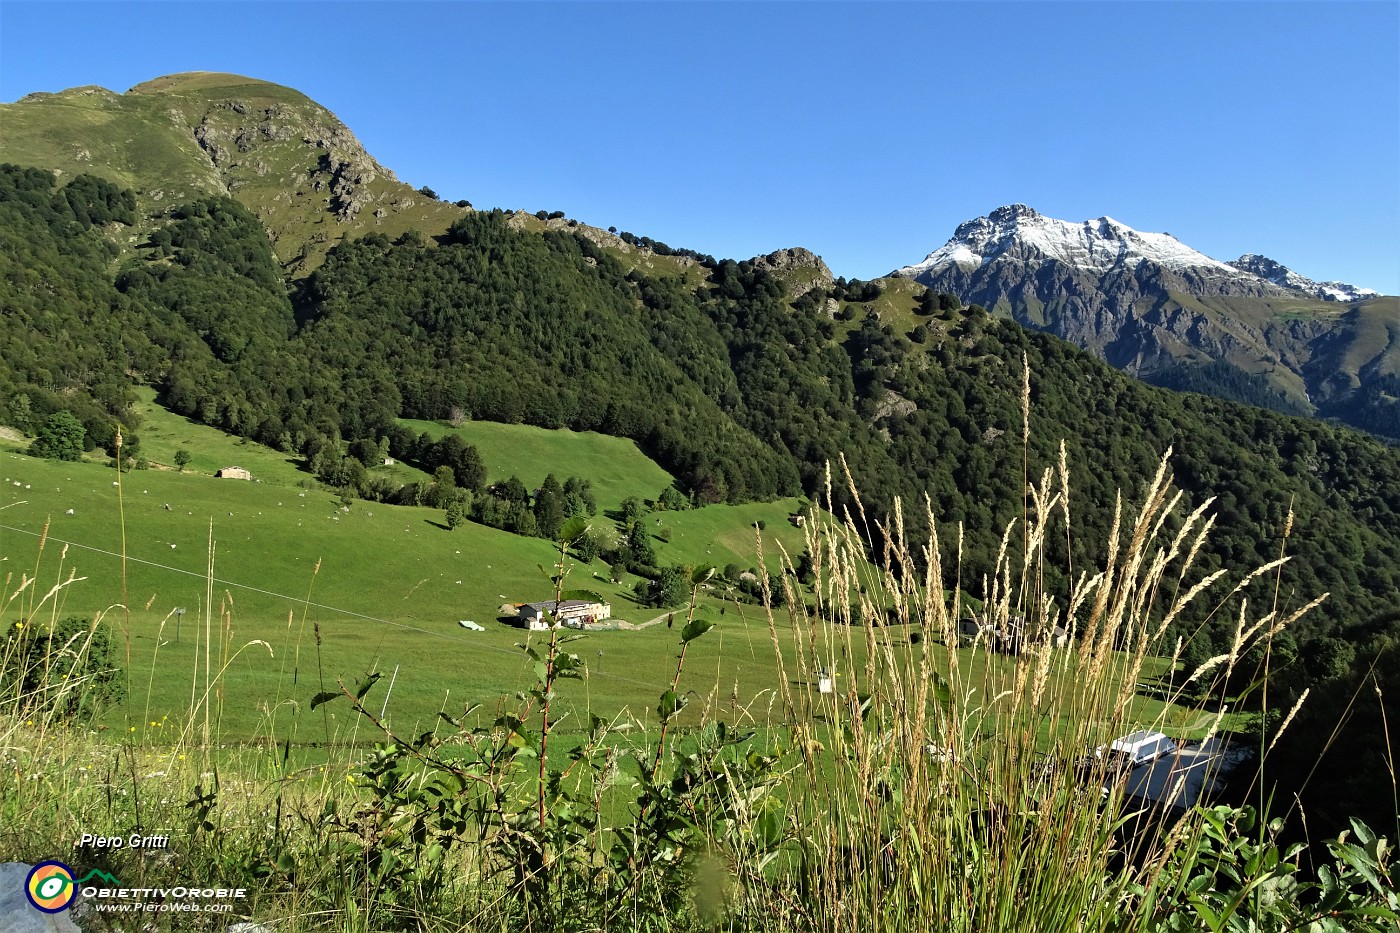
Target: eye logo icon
{"points": [[50, 887]]}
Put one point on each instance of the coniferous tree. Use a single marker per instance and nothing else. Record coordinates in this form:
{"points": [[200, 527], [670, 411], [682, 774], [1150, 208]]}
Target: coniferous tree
{"points": [[549, 508]]}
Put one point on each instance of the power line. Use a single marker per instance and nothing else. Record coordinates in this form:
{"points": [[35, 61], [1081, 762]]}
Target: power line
{"points": [[306, 602]]}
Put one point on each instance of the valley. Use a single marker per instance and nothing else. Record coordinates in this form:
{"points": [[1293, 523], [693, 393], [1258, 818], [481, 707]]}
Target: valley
{"points": [[884, 562]]}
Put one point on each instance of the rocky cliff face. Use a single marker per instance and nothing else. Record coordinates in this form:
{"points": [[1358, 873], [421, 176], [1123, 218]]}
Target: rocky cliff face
{"points": [[801, 269], [284, 156], [291, 161], [1151, 305], [243, 139]]}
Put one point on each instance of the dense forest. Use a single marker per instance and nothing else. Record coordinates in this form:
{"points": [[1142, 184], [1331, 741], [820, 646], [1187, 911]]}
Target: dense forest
{"points": [[739, 389]]}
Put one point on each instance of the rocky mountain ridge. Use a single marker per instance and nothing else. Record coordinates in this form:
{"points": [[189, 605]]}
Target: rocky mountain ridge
{"points": [[1018, 234], [1279, 274], [1251, 330]]}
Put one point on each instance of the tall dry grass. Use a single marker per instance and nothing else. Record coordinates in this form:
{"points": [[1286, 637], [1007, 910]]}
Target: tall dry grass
{"points": [[954, 790], [937, 786]]}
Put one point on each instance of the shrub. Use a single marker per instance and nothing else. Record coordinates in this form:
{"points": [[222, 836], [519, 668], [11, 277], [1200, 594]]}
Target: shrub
{"points": [[68, 670], [60, 438]]}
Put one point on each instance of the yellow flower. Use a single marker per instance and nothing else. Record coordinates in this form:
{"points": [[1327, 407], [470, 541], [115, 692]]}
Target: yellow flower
{"points": [[350, 778]]}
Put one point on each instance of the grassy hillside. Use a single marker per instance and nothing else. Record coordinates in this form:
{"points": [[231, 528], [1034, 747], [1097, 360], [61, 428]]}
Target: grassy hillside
{"points": [[119, 137], [724, 534], [281, 155], [896, 305], [385, 585], [629, 255], [163, 433], [305, 592], [615, 465], [920, 747]]}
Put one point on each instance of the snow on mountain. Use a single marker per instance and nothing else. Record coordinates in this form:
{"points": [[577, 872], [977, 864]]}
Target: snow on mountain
{"points": [[1019, 233], [1279, 274]]}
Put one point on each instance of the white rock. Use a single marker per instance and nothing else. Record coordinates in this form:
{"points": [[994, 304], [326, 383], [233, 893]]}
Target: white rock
{"points": [[17, 915]]}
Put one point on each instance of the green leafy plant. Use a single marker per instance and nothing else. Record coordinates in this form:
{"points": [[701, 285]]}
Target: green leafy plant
{"points": [[67, 669], [1226, 872]]}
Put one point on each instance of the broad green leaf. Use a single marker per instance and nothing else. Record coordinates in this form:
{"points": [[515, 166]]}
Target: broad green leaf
{"points": [[574, 529], [364, 688], [694, 629], [670, 704]]}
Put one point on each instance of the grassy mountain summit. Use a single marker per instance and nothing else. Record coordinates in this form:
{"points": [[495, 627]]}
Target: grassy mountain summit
{"points": [[281, 155]]}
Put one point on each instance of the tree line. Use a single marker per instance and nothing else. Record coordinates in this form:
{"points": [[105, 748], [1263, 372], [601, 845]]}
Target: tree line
{"points": [[739, 391]]}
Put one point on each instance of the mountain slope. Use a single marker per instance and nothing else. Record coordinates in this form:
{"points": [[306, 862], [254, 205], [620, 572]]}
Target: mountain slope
{"points": [[742, 379], [1150, 305], [283, 156]]}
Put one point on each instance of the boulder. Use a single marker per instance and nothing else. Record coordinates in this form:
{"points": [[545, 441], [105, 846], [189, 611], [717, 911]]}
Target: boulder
{"points": [[17, 915]]}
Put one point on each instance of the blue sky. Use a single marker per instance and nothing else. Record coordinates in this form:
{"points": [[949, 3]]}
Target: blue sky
{"points": [[863, 131]]}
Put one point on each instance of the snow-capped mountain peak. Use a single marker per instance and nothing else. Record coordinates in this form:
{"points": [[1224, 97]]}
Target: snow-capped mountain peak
{"points": [[1018, 233], [1250, 330]]}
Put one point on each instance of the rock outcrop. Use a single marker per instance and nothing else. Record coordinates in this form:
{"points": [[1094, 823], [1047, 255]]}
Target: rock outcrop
{"points": [[801, 269], [17, 915]]}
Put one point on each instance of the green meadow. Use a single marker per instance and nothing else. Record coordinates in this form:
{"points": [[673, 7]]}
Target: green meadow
{"points": [[287, 591], [615, 465], [289, 595], [236, 602], [163, 433]]}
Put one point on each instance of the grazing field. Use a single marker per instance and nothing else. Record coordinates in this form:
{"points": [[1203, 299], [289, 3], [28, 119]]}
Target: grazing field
{"points": [[615, 465], [384, 586], [163, 433], [238, 601], [713, 723]]}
